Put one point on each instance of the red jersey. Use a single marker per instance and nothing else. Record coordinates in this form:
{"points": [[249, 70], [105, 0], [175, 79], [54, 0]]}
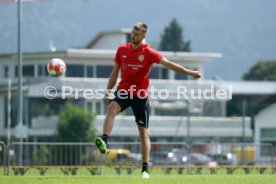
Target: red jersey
{"points": [[135, 67]]}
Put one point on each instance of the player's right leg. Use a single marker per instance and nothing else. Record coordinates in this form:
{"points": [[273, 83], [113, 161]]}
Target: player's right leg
{"points": [[101, 142], [101, 145], [113, 109]]}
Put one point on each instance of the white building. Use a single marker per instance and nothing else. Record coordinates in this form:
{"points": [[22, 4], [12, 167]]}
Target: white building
{"points": [[265, 130], [89, 68]]}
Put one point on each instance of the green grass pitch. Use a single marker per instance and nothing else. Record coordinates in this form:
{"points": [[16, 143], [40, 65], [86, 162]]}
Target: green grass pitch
{"points": [[124, 179]]}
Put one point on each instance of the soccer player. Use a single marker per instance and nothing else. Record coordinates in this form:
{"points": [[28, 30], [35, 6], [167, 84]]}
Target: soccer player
{"points": [[134, 60]]}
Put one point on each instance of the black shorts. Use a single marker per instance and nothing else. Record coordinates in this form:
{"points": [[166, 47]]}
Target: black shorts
{"points": [[140, 108]]}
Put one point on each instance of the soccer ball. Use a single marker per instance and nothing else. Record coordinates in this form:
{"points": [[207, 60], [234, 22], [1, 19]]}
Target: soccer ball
{"points": [[56, 67]]}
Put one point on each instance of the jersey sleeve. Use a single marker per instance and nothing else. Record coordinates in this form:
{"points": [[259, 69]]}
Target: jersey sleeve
{"points": [[117, 56], [154, 56]]}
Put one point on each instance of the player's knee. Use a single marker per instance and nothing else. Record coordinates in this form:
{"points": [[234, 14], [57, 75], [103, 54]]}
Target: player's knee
{"points": [[144, 134], [112, 110], [144, 137]]}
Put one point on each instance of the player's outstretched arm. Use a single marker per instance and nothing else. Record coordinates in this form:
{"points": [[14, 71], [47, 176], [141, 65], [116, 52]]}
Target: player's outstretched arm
{"points": [[178, 68], [112, 78]]}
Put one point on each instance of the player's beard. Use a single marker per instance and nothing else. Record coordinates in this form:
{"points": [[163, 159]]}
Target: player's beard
{"points": [[136, 42]]}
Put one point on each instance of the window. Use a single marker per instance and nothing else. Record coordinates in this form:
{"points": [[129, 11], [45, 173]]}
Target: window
{"points": [[128, 37], [6, 71], [13, 113], [15, 71], [158, 73], [98, 108], [75, 71], [181, 76], [27, 71], [104, 71], [163, 73], [14, 109], [268, 134], [42, 70], [153, 73], [90, 71], [89, 107], [44, 106], [267, 148]]}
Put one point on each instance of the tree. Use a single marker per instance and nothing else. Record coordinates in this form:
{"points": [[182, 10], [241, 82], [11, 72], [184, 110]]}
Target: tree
{"points": [[172, 39], [75, 124], [263, 70]]}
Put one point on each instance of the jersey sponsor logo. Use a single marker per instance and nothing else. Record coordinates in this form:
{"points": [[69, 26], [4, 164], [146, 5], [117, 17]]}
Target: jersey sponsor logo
{"points": [[141, 57]]}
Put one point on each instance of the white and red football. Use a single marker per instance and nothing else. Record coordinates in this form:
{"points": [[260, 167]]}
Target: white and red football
{"points": [[56, 67]]}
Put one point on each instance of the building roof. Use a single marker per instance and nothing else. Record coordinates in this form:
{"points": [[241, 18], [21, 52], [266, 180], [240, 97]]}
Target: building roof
{"points": [[180, 56], [264, 104], [249, 87], [104, 33]]}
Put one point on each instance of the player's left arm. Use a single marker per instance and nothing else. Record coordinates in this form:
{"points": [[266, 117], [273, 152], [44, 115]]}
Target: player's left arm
{"points": [[178, 68]]}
